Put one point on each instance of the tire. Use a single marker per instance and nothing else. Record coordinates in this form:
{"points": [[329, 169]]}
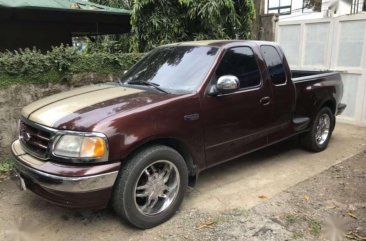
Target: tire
{"points": [[311, 140], [143, 183]]}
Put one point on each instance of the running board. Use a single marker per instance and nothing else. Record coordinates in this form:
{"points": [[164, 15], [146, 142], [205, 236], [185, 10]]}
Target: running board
{"points": [[300, 123]]}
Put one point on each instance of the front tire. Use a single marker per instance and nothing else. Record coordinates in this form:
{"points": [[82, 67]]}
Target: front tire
{"points": [[318, 137], [151, 186]]}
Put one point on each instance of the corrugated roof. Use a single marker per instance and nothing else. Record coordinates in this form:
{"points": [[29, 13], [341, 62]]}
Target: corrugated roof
{"points": [[62, 5]]}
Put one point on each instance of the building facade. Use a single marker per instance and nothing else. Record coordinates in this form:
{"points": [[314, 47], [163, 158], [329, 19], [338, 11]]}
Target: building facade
{"points": [[289, 10]]}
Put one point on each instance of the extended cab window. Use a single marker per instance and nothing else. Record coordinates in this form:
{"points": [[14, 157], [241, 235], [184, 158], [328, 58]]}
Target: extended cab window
{"points": [[274, 64], [240, 62]]}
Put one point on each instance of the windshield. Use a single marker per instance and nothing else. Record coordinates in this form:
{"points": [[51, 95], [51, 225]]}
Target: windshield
{"points": [[174, 69]]}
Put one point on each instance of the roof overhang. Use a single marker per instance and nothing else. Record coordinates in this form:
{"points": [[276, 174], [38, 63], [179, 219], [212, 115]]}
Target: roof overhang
{"points": [[78, 22]]}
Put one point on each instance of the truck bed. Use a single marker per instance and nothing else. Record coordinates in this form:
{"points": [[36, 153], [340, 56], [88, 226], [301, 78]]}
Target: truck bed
{"points": [[311, 89], [305, 75]]}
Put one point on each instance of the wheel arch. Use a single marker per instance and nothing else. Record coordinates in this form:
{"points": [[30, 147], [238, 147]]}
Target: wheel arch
{"points": [[180, 147], [331, 104]]}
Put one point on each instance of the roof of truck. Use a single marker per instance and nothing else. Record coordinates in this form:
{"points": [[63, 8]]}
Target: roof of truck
{"points": [[215, 43]]}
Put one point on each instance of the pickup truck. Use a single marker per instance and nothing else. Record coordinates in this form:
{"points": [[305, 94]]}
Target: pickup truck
{"points": [[137, 143]]}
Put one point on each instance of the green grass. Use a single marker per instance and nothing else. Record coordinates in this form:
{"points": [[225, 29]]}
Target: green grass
{"points": [[220, 219], [297, 234], [291, 218], [239, 212], [314, 227], [6, 165]]}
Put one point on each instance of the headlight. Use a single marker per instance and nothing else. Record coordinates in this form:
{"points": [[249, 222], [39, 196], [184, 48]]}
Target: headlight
{"points": [[84, 148]]}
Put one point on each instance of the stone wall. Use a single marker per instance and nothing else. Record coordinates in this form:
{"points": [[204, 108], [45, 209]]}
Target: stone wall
{"points": [[267, 29], [259, 5], [14, 98], [264, 26]]}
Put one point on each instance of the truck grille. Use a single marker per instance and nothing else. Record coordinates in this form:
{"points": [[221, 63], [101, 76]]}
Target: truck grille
{"points": [[34, 140]]}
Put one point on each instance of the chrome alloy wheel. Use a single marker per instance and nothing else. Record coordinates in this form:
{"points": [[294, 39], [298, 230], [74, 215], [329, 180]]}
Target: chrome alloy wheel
{"points": [[322, 129], [156, 187]]}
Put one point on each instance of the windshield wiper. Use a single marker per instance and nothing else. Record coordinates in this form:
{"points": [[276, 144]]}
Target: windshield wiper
{"points": [[152, 84]]}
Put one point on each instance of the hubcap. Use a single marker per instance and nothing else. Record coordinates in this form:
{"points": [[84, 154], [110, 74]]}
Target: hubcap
{"points": [[157, 187], [322, 129]]}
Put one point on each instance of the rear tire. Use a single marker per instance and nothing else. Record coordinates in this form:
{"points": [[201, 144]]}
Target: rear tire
{"points": [[150, 187], [318, 137]]}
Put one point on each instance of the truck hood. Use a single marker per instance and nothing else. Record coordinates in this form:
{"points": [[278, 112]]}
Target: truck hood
{"points": [[81, 108]]}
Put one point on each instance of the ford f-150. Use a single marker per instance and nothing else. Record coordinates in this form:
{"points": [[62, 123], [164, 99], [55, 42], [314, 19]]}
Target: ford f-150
{"points": [[139, 142]]}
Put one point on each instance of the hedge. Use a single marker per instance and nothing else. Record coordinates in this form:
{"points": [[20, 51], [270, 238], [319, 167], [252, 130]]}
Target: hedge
{"points": [[33, 66]]}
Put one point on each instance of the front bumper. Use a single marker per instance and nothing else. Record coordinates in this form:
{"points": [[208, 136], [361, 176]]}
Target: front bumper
{"points": [[65, 185]]}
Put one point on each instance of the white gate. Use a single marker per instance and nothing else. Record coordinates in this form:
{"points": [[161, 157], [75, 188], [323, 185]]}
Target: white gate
{"points": [[337, 44]]}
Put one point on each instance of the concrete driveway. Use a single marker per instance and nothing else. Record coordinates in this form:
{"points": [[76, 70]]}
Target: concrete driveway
{"points": [[237, 184]]}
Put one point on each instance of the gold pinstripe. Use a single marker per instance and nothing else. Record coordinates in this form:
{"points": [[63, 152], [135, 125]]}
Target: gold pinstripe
{"points": [[26, 111], [62, 107]]}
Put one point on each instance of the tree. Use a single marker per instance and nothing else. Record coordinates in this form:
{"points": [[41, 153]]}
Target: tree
{"points": [[156, 22], [125, 4], [315, 5]]}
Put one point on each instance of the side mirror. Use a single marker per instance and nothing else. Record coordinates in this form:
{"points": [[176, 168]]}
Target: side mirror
{"points": [[225, 84]]}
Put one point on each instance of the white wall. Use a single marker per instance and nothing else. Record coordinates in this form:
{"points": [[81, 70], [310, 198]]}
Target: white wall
{"points": [[337, 44]]}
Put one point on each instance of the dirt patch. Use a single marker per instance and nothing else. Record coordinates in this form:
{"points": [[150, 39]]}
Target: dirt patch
{"points": [[329, 206]]}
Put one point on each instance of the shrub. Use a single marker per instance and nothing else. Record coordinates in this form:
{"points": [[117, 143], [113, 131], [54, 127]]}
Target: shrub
{"points": [[5, 165], [33, 66]]}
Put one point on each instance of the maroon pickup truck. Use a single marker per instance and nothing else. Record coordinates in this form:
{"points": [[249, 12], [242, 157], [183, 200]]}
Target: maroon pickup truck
{"points": [[138, 143]]}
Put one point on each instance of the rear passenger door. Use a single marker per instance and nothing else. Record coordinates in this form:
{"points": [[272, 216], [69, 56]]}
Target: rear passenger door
{"points": [[238, 122], [283, 92]]}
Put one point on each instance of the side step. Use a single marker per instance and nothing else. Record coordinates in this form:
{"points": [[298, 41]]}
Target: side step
{"points": [[300, 122]]}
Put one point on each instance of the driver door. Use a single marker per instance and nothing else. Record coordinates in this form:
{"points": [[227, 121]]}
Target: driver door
{"points": [[238, 122]]}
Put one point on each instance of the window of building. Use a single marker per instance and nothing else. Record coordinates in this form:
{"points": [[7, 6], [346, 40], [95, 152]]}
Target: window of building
{"points": [[356, 6], [274, 64], [240, 62], [314, 5], [281, 7]]}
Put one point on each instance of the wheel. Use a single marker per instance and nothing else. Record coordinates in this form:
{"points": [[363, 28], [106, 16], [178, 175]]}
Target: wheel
{"points": [[150, 187], [318, 137]]}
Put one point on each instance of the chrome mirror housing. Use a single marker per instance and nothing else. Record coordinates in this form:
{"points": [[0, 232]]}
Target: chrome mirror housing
{"points": [[227, 84]]}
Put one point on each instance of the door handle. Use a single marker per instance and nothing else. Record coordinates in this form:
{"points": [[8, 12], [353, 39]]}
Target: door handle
{"points": [[265, 100]]}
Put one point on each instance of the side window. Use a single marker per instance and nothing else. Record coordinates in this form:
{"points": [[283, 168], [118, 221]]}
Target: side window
{"points": [[274, 64], [240, 62]]}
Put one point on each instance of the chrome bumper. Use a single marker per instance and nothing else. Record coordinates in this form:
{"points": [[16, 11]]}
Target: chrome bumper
{"points": [[62, 183]]}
